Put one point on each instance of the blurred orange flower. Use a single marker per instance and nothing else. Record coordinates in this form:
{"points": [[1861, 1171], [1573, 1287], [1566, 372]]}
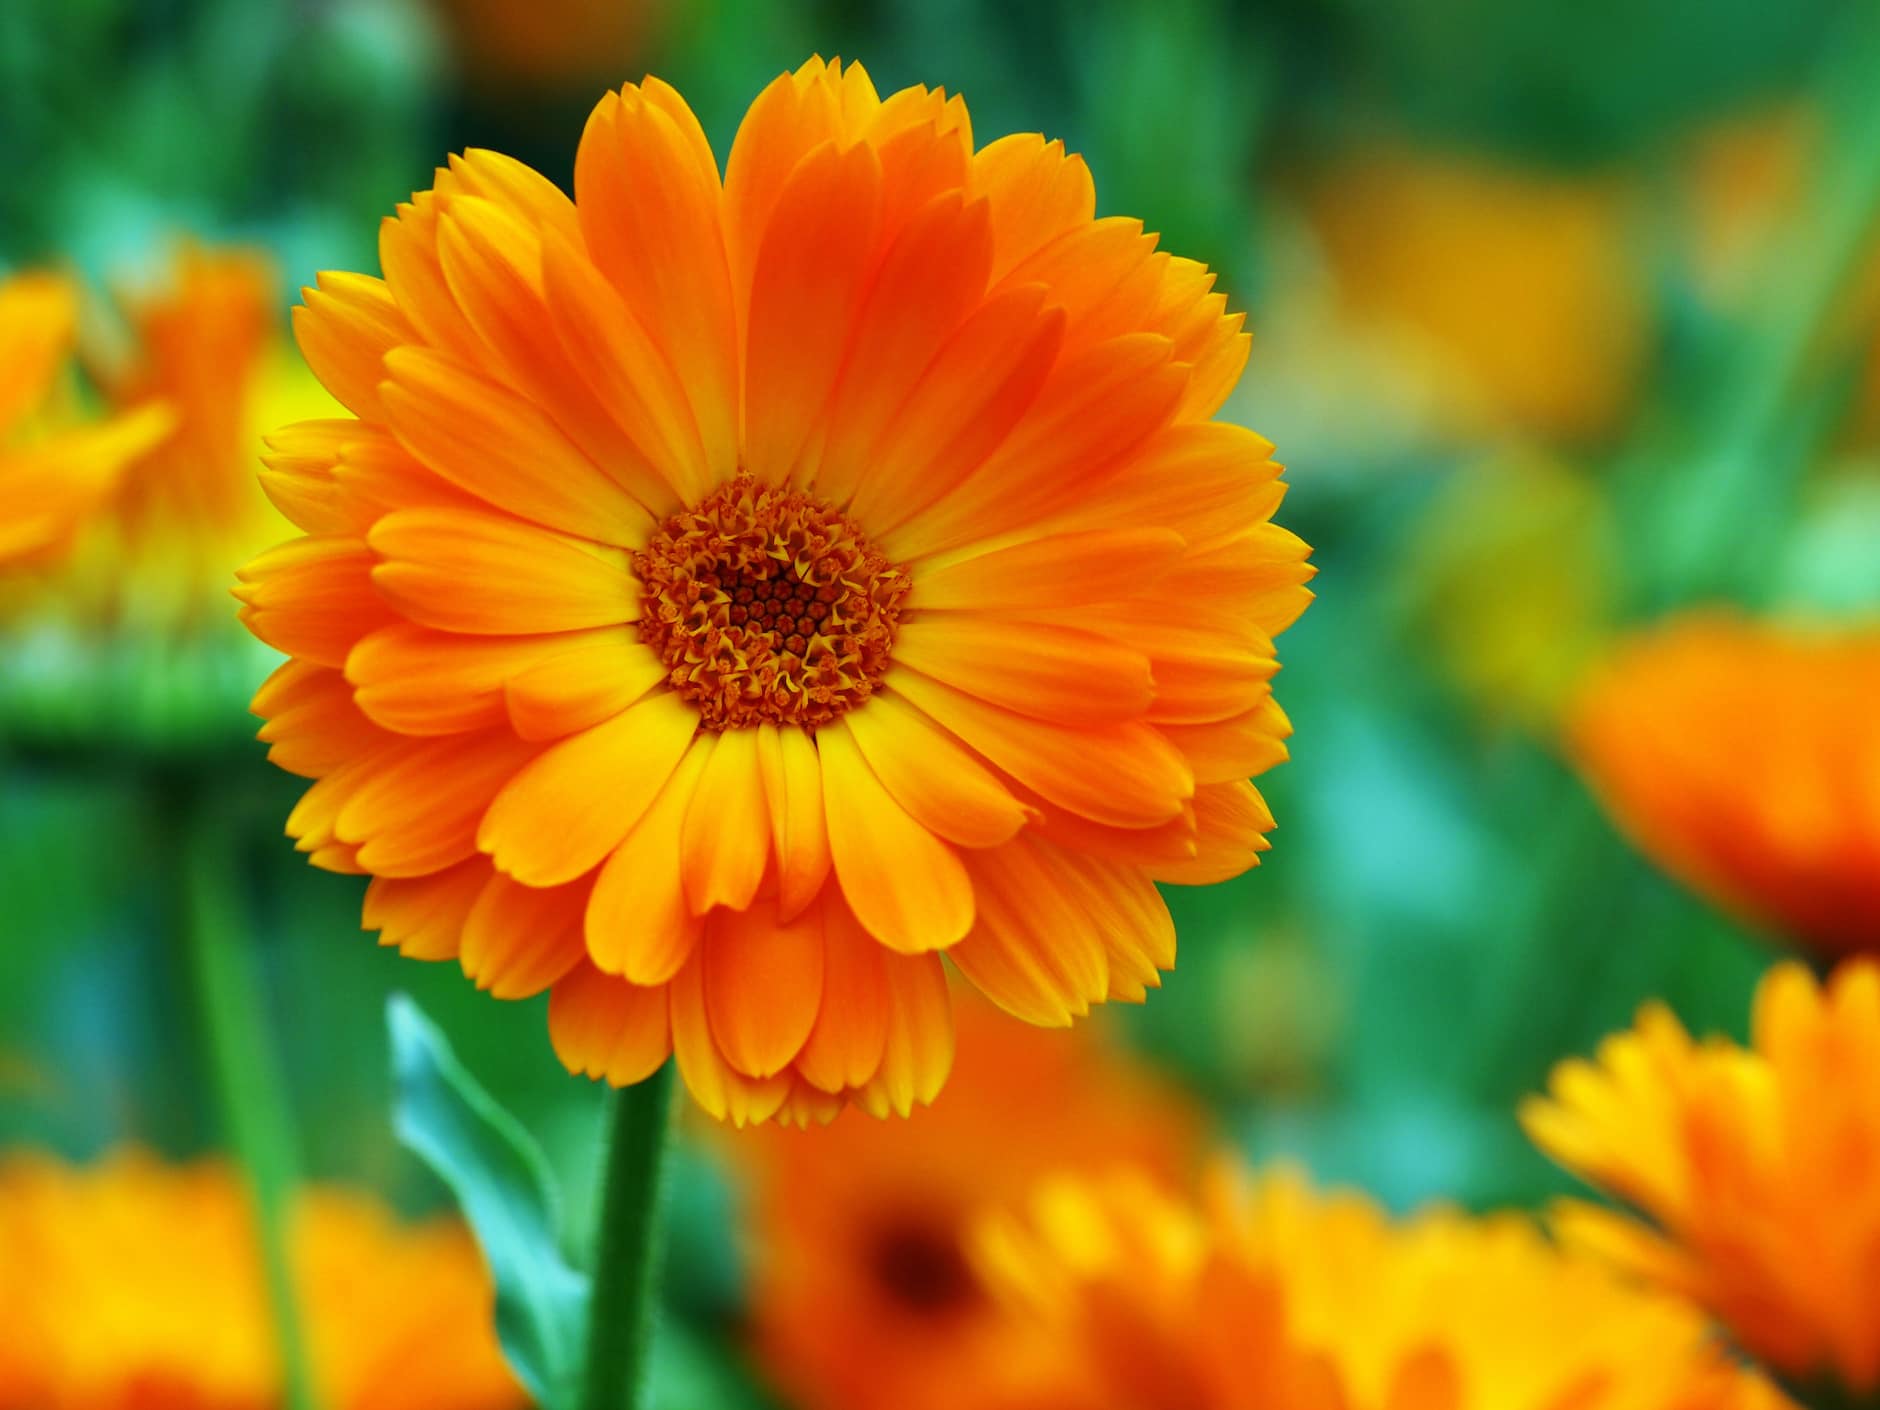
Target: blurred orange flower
{"points": [[501, 43], [1754, 1172], [55, 470], [1741, 757], [1511, 294], [730, 598], [1271, 1295], [133, 1283], [861, 1293]]}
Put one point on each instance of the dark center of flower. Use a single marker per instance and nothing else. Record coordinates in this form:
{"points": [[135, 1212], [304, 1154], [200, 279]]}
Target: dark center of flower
{"points": [[768, 605], [922, 1268]]}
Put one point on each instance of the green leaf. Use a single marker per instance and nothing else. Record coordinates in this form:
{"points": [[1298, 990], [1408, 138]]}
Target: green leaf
{"points": [[505, 1188]]}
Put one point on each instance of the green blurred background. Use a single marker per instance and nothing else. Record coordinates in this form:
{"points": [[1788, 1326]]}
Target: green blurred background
{"points": [[1560, 322]]}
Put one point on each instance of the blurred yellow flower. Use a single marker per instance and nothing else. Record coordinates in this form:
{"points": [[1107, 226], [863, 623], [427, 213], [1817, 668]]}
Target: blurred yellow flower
{"points": [[55, 469], [1743, 758], [1270, 1296], [206, 338], [1509, 577], [134, 1284], [1511, 294], [861, 1293], [734, 594], [1754, 1173]]}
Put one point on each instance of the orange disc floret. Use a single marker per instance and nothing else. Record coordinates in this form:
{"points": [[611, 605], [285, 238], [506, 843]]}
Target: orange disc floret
{"points": [[1267, 1294], [862, 1292], [729, 596], [1736, 755], [137, 1283], [1754, 1171], [55, 470]]}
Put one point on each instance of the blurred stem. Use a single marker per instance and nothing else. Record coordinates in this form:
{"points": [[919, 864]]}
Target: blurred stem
{"points": [[627, 1253], [231, 1000], [1725, 500]]}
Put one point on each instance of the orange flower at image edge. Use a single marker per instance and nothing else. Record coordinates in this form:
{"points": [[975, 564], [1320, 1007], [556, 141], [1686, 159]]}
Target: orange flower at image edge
{"points": [[53, 472], [1269, 1296], [731, 597], [861, 1291], [135, 1283], [1743, 758], [1755, 1172]]}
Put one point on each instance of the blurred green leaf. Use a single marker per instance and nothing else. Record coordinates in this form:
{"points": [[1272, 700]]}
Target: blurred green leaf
{"points": [[507, 1192]]}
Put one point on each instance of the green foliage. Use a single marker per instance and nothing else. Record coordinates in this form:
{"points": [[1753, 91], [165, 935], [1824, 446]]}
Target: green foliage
{"points": [[508, 1194]]}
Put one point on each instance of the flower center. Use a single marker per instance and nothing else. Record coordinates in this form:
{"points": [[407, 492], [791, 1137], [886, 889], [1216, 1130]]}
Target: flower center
{"points": [[922, 1268], [768, 605]]}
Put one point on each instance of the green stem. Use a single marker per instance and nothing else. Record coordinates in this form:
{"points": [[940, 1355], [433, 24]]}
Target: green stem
{"points": [[626, 1262], [254, 1110]]}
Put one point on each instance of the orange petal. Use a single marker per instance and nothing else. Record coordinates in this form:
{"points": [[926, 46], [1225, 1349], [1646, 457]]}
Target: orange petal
{"points": [[905, 885], [1231, 823], [418, 681], [638, 924], [1122, 774], [1057, 571], [1240, 747], [1036, 192], [812, 267], [312, 597], [845, 1048], [1098, 406], [942, 786], [518, 940], [605, 1027], [792, 774], [763, 983], [503, 449], [494, 265], [313, 725], [345, 326], [933, 277], [725, 841], [1047, 672], [981, 385], [415, 810], [647, 190], [578, 798], [918, 1052], [1033, 950], [423, 916], [628, 372], [719, 1088], [464, 571], [590, 682]]}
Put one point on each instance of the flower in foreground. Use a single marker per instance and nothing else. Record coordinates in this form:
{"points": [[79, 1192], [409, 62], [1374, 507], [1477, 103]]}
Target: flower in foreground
{"points": [[134, 1283], [55, 469], [1754, 1172], [1742, 758], [1270, 1296], [731, 597], [861, 1292]]}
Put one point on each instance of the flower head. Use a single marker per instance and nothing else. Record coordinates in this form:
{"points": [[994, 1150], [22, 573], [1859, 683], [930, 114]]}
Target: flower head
{"points": [[729, 596], [55, 470], [137, 1283], [862, 1293], [1737, 756], [1757, 1168], [1272, 1297]]}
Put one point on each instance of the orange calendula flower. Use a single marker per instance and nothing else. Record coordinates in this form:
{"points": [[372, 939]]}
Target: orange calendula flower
{"points": [[1757, 1168], [730, 596], [1272, 1297], [861, 1289], [1740, 757], [54, 470], [136, 1283]]}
